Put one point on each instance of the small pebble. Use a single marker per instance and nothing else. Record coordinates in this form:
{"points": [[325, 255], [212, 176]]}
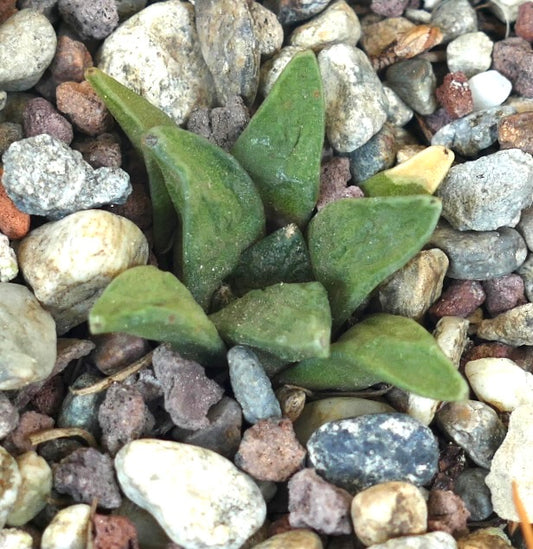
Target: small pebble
{"points": [[526, 273], [95, 19], [115, 351], [455, 96], [83, 107], [489, 89], [451, 335], [103, 151], [86, 474], [378, 36], [512, 462], [469, 53], [524, 21], [294, 539], [415, 82], [68, 263], [485, 538], [461, 298], [49, 397], [388, 510], [40, 116], [71, 60], [27, 46], [10, 479], [188, 392], [357, 453], [267, 29], [354, 97], [509, 55], [292, 401], [514, 132], [269, 450], [388, 8], [415, 287], [504, 293], [454, 18], [433, 540], [500, 382], [398, 113], [512, 327], [470, 486], [478, 255], [291, 11], [9, 133], [219, 505], [9, 268], [68, 528], [30, 422], [334, 176], [27, 349], [338, 23], [9, 416], [110, 532], [14, 538], [34, 490], [319, 505], [447, 513]]}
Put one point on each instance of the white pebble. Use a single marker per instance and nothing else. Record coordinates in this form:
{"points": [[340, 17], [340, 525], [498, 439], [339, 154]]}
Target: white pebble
{"points": [[469, 53], [10, 482], [13, 538], [500, 382], [9, 268], [68, 529], [489, 89]]}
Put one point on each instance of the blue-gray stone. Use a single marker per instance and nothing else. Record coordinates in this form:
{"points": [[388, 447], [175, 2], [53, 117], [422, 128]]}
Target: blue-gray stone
{"points": [[488, 193], [357, 453], [473, 133], [471, 488], [525, 226], [477, 255], [251, 386]]}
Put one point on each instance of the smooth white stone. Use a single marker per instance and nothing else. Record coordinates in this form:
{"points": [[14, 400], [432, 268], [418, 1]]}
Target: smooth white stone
{"points": [[500, 382], [9, 268], [199, 497], [489, 89], [68, 529], [9, 481], [13, 538]]}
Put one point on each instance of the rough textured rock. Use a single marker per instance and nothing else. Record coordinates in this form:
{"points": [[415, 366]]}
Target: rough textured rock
{"points": [[512, 327], [71, 60], [334, 176], [13, 223], [30, 422], [112, 532], [514, 132], [447, 513], [95, 19], [461, 298], [454, 95], [69, 262], [504, 293], [219, 505], [267, 29], [40, 116]]}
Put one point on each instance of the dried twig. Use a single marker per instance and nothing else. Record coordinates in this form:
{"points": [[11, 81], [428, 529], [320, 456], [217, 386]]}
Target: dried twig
{"points": [[527, 531], [52, 434]]}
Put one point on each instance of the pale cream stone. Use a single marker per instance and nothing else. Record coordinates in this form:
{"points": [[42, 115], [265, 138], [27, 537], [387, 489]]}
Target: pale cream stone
{"points": [[451, 333], [13, 538], [10, 480], [9, 268], [68, 529], [295, 539]]}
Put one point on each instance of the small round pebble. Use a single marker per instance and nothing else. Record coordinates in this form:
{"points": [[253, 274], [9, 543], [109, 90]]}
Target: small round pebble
{"points": [[68, 528], [9, 416], [504, 293], [113, 532], [71, 60], [361, 452], [485, 538], [294, 539], [469, 53], [219, 505], [267, 29], [10, 480], [291, 11], [388, 510], [489, 89], [470, 486], [95, 19], [461, 298]]}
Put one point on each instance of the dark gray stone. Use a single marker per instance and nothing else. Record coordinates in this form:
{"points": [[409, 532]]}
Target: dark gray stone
{"points": [[454, 18], [470, 486], [360, 452], [95, 19], [475, 427], [290, 11], [480, 255]]}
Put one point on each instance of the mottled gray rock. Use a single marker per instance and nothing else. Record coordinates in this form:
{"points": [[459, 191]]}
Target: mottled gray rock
{"points": [[414, 81], [267, 29], [470, 486], [360, 452], [95, 19], [475, 427], [290, 11], [10, 479], [9, 268], [219, 505], [525, 226], [355, 101], [454, 18], [338, 23], [69, 262], [480, 255], [398, 113], [469, 53], [512, 327], [526, 272], [171, 72], [472, 133], [251, 386], [28, 338], [43, 176], [27, 46], [229, 46], [512, 462]]}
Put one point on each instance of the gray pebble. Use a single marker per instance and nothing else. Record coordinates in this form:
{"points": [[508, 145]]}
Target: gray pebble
{"points": [[454, 18], [95, 19], [355, 101], [470, 486], [488, 193], [525, 226], [360, 452], [251, 385], [27, 46], [47, 7], [267, 29], [480, 255], [415, 82], [43, 176], [291, 11], [472, 133], [9, 416], [398, 113], [475, 427]]}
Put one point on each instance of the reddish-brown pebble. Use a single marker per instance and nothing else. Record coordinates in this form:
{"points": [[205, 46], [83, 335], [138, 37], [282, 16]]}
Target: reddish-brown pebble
{"points": [[114, 532], [71, 60], [102, 151], [334, 175], [40, 117], [279, 526], [13, 223], [7, 9], [516, 132], [30, 422], [504, 293], [116, 351], [454, 95], [138, 208], [50, 396], [487, 350], [269, 450], [524, 21], [84, 108], [461, 298], [447, 513]]}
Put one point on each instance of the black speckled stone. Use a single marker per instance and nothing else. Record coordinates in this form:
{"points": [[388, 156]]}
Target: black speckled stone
{"points": [[470, 486], [357, 453]]}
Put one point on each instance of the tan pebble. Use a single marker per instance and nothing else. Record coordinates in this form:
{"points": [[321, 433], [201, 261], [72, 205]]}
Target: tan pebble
{"points": [[68, 529], [295, 539]]}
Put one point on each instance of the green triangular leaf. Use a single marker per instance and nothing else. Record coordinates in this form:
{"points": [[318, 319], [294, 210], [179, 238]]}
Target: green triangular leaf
{"points": [[290, 321], [136, 116], [355, 243], [220, 210], [281, 147], [154, 304]]}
